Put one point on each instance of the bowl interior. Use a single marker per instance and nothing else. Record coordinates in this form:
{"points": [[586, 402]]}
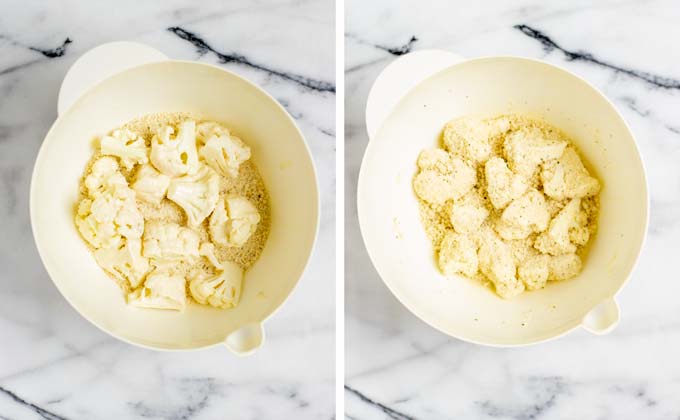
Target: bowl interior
{"points": [[278, 149], [396, 241]]}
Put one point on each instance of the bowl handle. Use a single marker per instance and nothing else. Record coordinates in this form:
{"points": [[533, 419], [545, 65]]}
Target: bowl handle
{"points": [[398, 78], [246, 340], [603, 318], [101, 63]]}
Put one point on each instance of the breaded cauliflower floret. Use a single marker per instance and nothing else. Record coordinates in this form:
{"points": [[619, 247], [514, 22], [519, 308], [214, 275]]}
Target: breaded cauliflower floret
{"points": [[536, 271], [437, 188], [524, 216], [502, 185], [468, 213], [566, 177], [458, 254], [526, 149], [556, 240], [468, 138], [436, 159], [564, 267], [497, 264]]}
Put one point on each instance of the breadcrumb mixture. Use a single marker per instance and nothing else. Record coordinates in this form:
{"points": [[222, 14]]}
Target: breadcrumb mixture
{"points": [[507, 201]]}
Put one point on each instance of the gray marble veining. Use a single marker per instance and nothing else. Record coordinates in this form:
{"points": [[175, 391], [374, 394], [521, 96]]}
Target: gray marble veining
{"points": [[398, 367], [53, 363]]}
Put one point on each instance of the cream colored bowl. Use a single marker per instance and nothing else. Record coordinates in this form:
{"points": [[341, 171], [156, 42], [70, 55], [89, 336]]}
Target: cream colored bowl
{"points": [[279, 151], [388, 208]]}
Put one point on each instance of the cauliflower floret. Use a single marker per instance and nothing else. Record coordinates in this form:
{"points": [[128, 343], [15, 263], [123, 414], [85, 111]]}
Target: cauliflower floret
{"points": [[566, 177], [436, 188], [104, 176], [458, 254], [169, 242], [125, 261], [524, 216], [150, 185], [207, 250], [99, 233], [206, 130], [556, 240], [468, 213], [468, 138], [197, 194], [501, 184], [497, 264], [111, 212], [175, 156], [564, 267], [160, 291], [222, 290], [234, 220], [129, 219], [534, 271], [436, 158], [127, 146], [225, 153], [526, 149]]}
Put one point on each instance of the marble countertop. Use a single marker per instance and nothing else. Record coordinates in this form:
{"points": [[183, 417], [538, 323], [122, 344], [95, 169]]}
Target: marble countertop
{"points": [[54, 364], [399, 368]]}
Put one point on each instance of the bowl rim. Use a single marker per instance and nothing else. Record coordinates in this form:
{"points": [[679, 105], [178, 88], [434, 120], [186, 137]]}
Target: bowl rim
{"points": [[41, 155], [363, 223]]}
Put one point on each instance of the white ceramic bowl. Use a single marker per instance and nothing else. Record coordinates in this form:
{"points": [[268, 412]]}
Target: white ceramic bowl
{"points": [[388, 208], [278, 149]]}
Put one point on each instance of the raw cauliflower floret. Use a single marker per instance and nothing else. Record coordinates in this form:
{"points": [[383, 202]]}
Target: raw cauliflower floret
{"points": [[468, 213], [104, 176], [127, 146], [436, 159], [206, 130], [125, 262], [111, 212], [566, 177], [436, 188], [97, 229], [150, 185], [497, 264], [556, 240], [502, 185], [197, 194], [160, 291], [458, 254], [225, 153], [468, 138], [524, 216], [222, 290], [234, 220], [527, 149], [175, 156], [207, 250], [169, 242]]}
